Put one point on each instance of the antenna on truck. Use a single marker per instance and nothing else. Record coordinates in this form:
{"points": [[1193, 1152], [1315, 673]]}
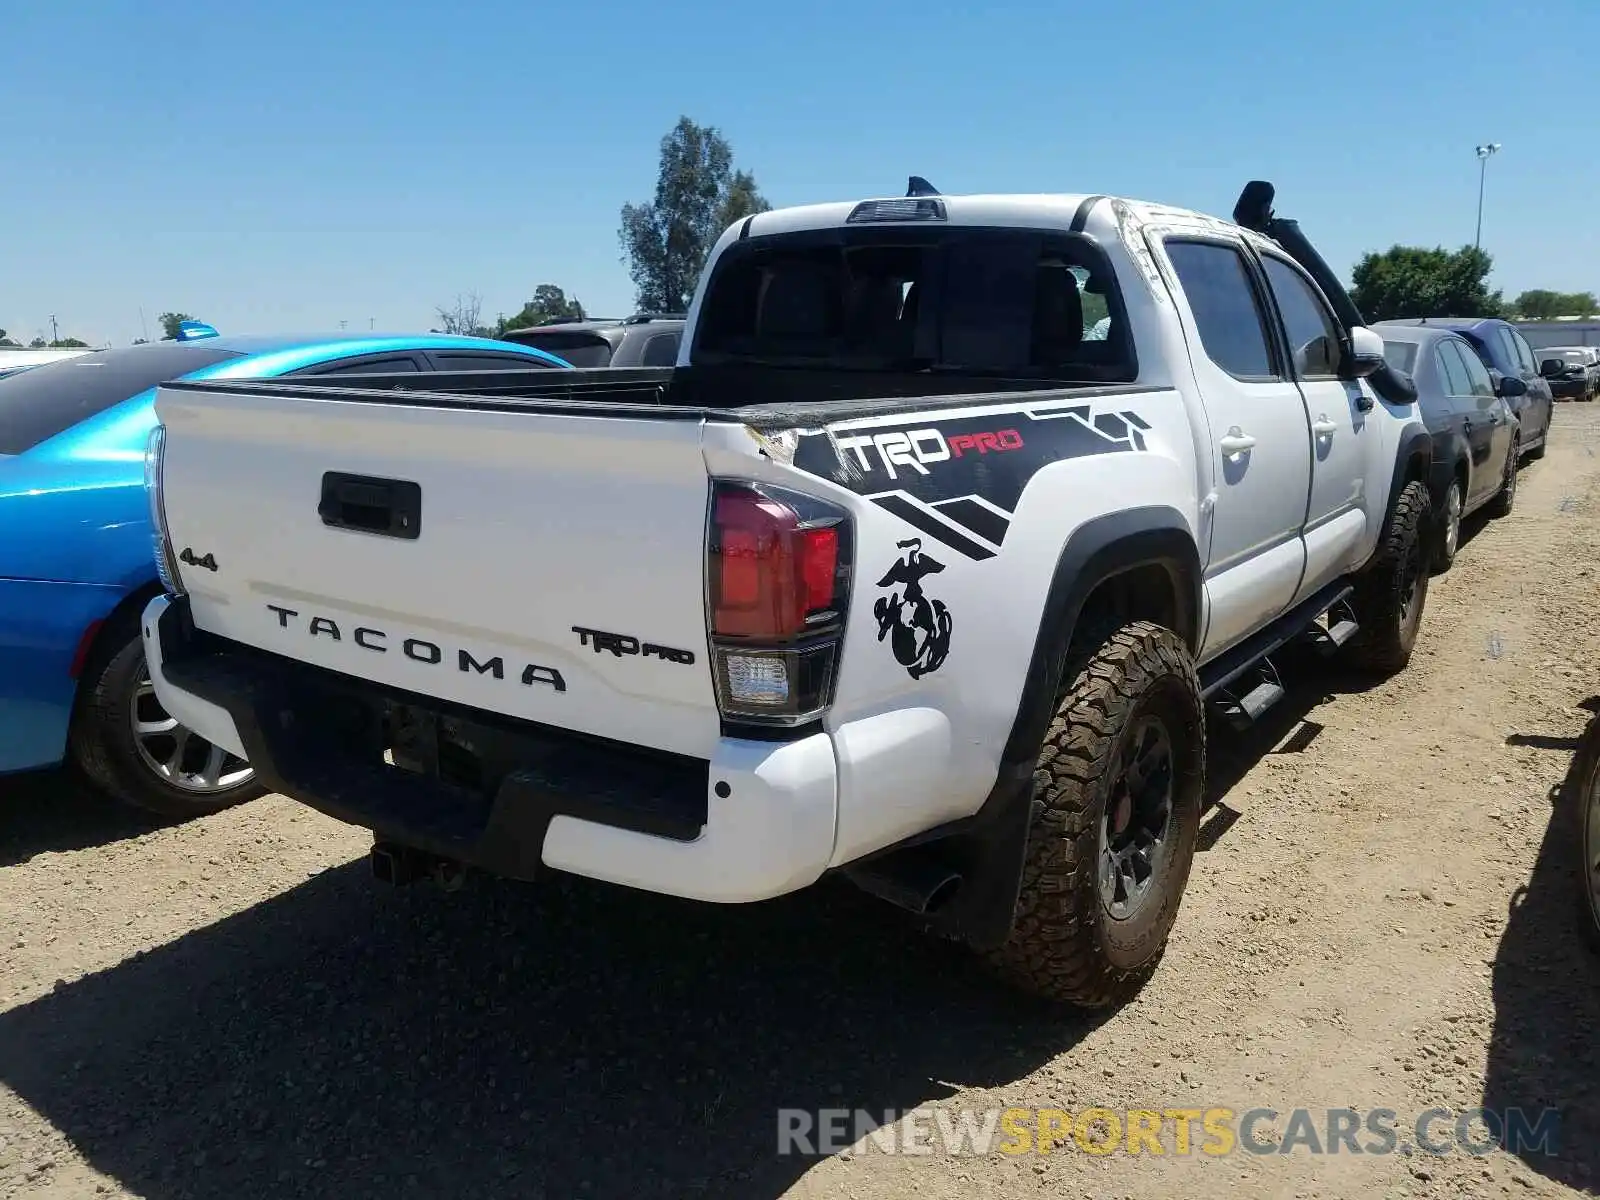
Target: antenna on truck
{"points": [[920, 187]]}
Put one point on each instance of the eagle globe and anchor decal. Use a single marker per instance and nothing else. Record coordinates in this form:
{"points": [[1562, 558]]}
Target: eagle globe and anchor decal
{"points": [[917, 625]]}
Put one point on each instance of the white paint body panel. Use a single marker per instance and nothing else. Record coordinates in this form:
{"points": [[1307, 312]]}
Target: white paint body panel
{"points": [[535, 521]]}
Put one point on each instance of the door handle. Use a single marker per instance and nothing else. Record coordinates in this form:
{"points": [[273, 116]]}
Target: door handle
{"points": [[1236, 442], [1323, 427]]}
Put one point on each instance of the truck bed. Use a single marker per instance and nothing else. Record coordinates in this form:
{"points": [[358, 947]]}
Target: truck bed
{"points": [[771, 400]]}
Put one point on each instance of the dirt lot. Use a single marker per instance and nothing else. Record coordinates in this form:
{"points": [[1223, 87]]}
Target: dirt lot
{"points": [[1381, 917]]}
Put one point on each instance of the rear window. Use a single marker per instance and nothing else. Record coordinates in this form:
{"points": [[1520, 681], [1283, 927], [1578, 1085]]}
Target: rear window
{"points": [[1575, 356], [43, 401], [1402, 356], [984, 302], [578, 347]]}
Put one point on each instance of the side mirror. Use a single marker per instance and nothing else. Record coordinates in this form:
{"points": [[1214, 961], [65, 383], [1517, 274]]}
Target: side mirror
{"points": [[1551, 368], [1508, 387], [1364, 354]]}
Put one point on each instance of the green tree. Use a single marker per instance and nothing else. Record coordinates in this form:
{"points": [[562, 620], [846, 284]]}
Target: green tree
{"points": [[1540, 304], [69, 343], [698, 195], [548, 303], [38, 343], [1412, 281], [170, 322], [5, 340]]}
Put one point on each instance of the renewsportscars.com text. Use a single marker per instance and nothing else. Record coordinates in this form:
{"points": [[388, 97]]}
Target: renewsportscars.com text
{"points": [[1175, 1132]]}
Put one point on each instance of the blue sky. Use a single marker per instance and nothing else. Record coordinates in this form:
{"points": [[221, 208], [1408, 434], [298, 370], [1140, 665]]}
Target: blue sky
{"points": [[288, 165]]}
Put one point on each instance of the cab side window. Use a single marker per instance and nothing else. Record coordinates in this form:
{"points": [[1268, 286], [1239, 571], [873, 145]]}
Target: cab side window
{"points": [[1315, 338], [661, 350], [1226, 309], [1525, 358], [1478, 381], [372, 366], [1451, 369]]}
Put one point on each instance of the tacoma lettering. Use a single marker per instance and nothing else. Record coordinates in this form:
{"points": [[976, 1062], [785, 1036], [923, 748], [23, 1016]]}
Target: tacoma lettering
{"points": [[431, 654]]}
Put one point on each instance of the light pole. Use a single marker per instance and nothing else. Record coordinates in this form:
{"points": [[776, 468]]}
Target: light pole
{"points": [[1485, 152]]}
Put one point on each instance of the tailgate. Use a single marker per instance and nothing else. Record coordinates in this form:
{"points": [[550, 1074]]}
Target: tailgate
{"points": [[545, 563]]}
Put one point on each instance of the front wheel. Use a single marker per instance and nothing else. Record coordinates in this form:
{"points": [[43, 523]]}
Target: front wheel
{"points": [[1117, 810], [1391, 592], [135, 751]]}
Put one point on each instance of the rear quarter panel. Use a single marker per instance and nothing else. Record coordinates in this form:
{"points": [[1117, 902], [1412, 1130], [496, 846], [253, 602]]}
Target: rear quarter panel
{"points": [[988, 495]]}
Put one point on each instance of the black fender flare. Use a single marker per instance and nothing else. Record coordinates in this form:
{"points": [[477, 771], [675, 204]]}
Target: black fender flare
{"points": [[987, 850], [1099, 550], [1412, 460]]}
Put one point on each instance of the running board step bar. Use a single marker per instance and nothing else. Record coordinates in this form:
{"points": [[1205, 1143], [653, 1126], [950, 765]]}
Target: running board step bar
{"points": [[1244, 711], [1218, 675], [1262, 697], [1341, 627]]}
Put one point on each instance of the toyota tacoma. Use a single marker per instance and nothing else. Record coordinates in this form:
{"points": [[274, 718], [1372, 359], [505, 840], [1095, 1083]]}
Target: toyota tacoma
{"points": [[895, 574]]}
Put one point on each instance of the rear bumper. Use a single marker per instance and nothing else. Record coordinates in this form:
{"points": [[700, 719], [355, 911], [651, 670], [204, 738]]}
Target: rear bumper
{"points": [[754, 821], [41, 627]]}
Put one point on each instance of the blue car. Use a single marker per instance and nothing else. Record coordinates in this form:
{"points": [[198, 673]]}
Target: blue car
{"points": [[76, 564]]}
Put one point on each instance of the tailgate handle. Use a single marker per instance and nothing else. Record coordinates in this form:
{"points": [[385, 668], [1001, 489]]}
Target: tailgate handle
{"points": [[387, 507]]}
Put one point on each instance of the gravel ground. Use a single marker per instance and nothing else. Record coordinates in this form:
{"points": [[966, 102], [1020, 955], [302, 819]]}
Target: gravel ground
{"points": [[1382, 916]]}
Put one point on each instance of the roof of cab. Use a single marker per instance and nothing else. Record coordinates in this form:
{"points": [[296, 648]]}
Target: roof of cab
{"points": [[1018, 209]]}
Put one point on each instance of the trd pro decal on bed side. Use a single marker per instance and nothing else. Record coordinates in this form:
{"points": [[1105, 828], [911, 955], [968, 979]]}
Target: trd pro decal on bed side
{"points": [[958, 479]]}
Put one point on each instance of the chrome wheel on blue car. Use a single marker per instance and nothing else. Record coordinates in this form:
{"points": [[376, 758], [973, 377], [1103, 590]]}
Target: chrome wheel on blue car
{"points": [[177, 754], [134, 750]]}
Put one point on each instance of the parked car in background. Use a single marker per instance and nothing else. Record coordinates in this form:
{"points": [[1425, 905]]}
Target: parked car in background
{"points": [[642, 340], [1507, 354], [1576, 373], [1471, 422], [76, 564]]}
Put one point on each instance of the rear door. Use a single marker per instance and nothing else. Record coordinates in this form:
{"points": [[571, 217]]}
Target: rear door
{"points": [[1259, 439], [1455, 360], [1346, 447], [1489, 422]]}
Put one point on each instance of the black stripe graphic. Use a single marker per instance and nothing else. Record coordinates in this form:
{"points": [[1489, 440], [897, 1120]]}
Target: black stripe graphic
{"points": [[908, 512], [945, 464], [969, 514]]}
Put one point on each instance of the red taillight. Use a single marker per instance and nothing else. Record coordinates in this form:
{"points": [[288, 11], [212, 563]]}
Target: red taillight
{"points": [[819, 567], [773, 573], [778, 564]]}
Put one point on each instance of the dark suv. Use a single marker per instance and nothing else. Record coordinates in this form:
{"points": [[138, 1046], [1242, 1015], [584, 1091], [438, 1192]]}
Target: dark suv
{"points": [[642, 340], [1507, 355]]}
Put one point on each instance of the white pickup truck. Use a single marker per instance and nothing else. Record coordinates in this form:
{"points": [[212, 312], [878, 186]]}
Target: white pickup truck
{"points": [[896, 574]]}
